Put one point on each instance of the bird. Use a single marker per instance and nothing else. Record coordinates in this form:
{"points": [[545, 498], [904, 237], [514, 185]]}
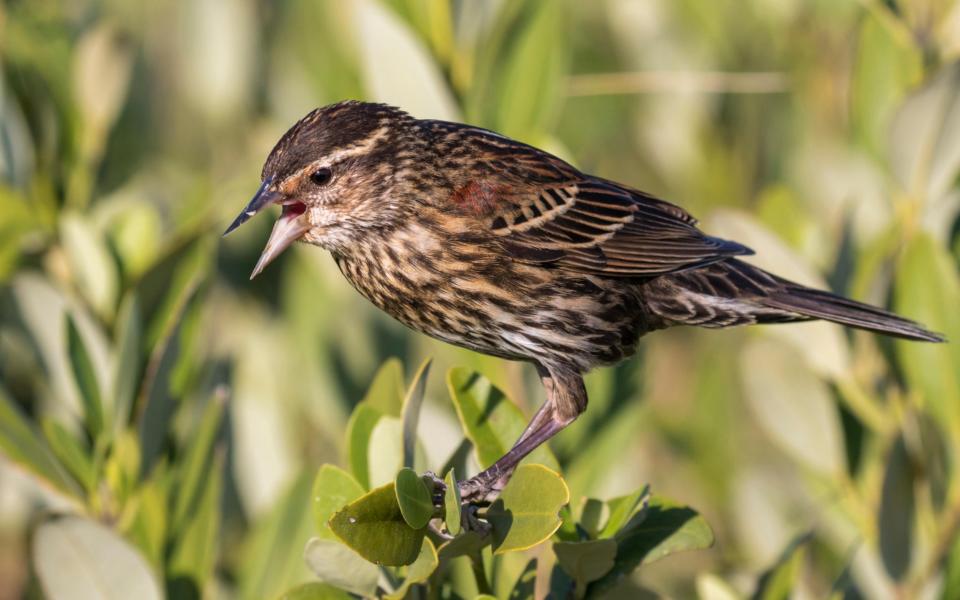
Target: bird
{"points": [[494, 245]]}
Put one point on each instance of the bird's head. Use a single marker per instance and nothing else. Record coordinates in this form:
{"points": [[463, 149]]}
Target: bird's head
{"points": [[332, 174]]}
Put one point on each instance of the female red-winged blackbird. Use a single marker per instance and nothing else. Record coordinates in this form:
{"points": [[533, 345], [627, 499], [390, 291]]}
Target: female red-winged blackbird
{"points": [[491, 244]]}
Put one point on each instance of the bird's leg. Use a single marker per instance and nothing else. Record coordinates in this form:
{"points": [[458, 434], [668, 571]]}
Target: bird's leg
{"points": [[566, 399], [540, 420], [543, 414], [487, 485]]}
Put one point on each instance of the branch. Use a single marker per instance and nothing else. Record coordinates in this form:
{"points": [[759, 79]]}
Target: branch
{"points": [[650, 82]]}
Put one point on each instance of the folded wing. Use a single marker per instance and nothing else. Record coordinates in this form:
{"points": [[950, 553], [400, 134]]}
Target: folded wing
{"points": [[596, 226]]}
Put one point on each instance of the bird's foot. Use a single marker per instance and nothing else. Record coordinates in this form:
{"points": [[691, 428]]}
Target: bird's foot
{"points": [[436, 486], [471, 521], [482, 489]]}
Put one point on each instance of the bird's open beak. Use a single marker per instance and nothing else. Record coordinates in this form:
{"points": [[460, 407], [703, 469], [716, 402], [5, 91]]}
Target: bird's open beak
{"points": [[291, 225]]}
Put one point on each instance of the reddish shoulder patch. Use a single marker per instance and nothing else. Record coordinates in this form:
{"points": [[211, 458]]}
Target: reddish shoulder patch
{"points": [[478, 197]]}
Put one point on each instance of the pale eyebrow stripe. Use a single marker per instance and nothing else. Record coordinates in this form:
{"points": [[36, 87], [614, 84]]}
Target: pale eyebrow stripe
{"points": [[336, 156]]}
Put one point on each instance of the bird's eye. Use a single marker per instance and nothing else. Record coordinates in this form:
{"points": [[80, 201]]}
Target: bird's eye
{"points": [[321, 176]]}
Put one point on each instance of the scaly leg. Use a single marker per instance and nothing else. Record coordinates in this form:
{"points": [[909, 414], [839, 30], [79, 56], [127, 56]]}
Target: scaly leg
{"points": [[566, 399]]}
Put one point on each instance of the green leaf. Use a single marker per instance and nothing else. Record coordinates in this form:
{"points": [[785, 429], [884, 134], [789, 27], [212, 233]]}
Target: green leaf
{"points": [[102, 68], [663, 529], [272, 556], [86, 380], [527, 511], [932, 453], [591, 515], [525, 583], [568, 531], [21, 444], [341, 567], [529, 91], [397, 67], [433, 21], [928, 290], [779, 582], [333, 489], [885, 69], [136, 233], [586, 561], [587, 470], [385, 450], [414, 499], [623, 508], [315, 591], [195, 548], [674, 528], [489, 419], [468, 543], [90, 263], [70, 453], [170, 296], [897, 510], [158, 404], [327, 50], [387, 391], [411, 413], [359, 430], [150, 521], [451, 504], [793, 406], [925, 137], [42, 309], [121, 471], [495, 27], [951, 577], [167, 288], [374, 527], [126, 360], [78, 558], [419, 571], [711, 587], [15, 230], [197, 462], [385, 454]]}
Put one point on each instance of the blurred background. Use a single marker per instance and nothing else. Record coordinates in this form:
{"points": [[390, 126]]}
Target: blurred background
{"points": [[825, 134]]}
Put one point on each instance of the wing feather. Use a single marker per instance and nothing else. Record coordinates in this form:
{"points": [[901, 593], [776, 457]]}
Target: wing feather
{"points": [[600, 228], [546, 211]]}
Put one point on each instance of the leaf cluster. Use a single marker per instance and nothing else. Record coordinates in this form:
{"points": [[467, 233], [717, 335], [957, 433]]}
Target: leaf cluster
{"points": [[414, 530]]}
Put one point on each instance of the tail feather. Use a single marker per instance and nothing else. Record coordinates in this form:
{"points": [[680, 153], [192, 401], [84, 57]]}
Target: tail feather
{"points": [[830, 307], [732, 292]]}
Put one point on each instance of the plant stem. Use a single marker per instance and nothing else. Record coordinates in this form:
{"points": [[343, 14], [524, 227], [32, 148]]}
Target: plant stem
{"points": [[944, 544], [898, 30], [707, 82], [861, 404], [483, 586]]}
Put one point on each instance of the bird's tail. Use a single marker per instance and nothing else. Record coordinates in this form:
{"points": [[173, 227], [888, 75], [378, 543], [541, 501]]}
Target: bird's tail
{"points": [[732, 292]]}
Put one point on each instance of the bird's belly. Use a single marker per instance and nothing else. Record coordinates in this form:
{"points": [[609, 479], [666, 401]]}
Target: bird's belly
{"points": [[520, 312]]}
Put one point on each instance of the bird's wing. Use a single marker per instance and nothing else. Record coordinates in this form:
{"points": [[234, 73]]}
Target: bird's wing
{"points": [[543, 210]]}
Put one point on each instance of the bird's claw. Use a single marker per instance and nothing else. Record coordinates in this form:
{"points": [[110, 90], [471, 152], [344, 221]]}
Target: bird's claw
{"points": [[480, 490], [437, 487], [471, 521]]}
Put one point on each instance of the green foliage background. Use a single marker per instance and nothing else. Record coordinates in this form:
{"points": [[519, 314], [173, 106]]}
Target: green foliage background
{"points": [[146, 383]]}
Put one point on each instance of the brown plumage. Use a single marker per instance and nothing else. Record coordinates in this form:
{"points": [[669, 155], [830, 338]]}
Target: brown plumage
{"points": [[494, 245]]}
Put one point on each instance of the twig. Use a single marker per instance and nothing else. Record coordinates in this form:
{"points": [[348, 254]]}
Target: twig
{"points": [[648, 82], [483, 586], [942, 548], [894, 25], [861, 403]]}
